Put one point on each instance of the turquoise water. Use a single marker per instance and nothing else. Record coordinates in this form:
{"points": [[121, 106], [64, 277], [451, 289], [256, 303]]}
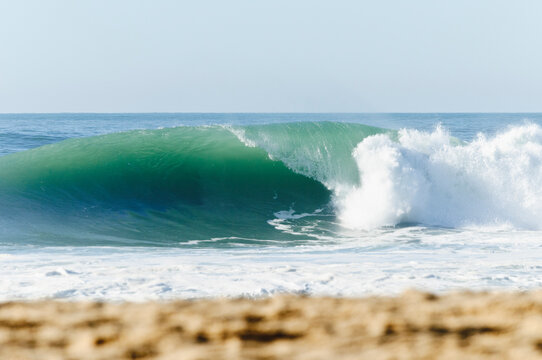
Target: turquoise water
{"points": [[168, 186], [272, 194]]}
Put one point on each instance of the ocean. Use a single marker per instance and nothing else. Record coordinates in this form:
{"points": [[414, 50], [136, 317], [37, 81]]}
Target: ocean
{"points": [[166, 206]]}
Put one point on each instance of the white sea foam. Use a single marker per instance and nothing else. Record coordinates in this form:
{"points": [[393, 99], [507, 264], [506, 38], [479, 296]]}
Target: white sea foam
{"points": [[383, 262], [429, 178]]}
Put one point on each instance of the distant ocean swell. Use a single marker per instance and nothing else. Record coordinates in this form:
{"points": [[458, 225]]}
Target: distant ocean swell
{"points": [[166, 186]]}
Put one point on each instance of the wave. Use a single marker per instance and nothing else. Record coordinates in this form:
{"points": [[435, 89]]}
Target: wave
{"points": [[172, 185], [239, 182]]}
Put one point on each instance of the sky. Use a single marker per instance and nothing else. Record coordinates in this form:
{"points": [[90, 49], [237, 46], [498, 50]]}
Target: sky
{"points": [[270, 56]]}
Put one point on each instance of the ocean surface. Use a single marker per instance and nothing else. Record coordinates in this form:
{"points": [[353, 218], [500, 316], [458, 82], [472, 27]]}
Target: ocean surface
{"points": [[164, 206]]}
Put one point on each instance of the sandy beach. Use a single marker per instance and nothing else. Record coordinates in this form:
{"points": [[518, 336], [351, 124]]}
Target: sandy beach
{"points": [[413, 325]]}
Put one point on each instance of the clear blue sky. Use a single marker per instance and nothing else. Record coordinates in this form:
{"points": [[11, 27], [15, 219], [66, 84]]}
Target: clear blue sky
{"points": [[270, 56]]}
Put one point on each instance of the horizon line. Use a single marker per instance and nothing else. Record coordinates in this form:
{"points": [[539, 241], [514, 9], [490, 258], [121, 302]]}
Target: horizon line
{"points": [[266, 112]]}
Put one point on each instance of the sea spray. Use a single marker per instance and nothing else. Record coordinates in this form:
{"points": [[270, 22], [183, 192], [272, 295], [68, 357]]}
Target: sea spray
{"points": [[432, 179]]}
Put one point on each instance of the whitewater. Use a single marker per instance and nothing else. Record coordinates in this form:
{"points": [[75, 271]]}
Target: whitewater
{"points": [[163, 206]]}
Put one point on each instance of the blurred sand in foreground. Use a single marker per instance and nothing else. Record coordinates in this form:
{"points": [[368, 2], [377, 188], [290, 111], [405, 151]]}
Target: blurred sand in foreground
{"points": [[412, 326]]}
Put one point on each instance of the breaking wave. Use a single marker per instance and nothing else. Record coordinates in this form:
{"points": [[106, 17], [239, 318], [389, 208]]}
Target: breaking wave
{"points": [[237, 182]]}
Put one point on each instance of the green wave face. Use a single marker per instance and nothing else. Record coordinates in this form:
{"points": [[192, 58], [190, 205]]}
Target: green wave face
{"points": [[160, 187], [319, 150]]}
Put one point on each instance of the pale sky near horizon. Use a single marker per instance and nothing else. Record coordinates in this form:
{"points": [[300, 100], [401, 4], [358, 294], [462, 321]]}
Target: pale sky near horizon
{"points": [[270, 56]]}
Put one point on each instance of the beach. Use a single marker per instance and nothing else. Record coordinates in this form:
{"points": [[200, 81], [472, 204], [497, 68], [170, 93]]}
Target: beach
{"points": [[413, 325]]}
